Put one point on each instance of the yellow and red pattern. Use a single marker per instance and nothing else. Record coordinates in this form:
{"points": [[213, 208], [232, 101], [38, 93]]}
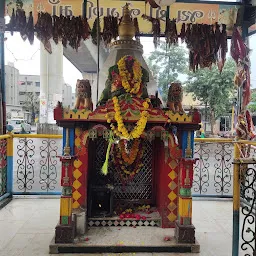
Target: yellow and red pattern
{"points": [[185, 209], [130, 109], [65, 210], [173, 165], [79, 192]]}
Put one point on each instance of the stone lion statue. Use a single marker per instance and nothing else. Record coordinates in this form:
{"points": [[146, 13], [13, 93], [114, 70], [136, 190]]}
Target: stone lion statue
{"points": [[175, 95], [83, 95]]}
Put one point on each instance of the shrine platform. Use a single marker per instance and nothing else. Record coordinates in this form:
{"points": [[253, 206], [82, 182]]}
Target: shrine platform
{"points": [[27, 228], [126, 239]]}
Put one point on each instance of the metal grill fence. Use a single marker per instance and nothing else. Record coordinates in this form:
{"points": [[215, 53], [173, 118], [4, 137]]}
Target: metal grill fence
{"points": [[36, 166], [3, 167], [213, 172], [248, 209]]}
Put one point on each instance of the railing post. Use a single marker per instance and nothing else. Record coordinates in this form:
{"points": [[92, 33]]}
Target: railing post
{"points": [[2, 71], [10, 165], [236, 202]]}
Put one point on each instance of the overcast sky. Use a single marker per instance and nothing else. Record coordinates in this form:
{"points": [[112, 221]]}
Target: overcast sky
{"points": [[26, 57]]}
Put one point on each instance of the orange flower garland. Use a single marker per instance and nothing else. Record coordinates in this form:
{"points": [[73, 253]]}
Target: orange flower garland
{"points": [[128, 171], [129, 159]]}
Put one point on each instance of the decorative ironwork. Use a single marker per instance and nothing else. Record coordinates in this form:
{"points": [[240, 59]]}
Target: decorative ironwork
{"points": [[93, 134], [222, 175], [106, 134], [3, 167], [35, 164], [48, 170], [25, 170], [140, 187], [248, 194], [201, 169]]}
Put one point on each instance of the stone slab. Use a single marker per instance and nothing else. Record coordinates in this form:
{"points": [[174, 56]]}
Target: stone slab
{"points": [[125, 239]]}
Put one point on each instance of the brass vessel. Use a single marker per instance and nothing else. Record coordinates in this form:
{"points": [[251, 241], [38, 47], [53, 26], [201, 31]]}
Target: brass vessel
{"points": [[126, 28]]}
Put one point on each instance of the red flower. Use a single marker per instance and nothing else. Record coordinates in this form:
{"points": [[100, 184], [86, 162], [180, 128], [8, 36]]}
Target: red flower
{"points": [[137, 217]]}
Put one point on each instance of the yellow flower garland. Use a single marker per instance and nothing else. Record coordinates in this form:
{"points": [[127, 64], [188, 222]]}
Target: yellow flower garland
{"points": [[126, 76], [121, 130]]}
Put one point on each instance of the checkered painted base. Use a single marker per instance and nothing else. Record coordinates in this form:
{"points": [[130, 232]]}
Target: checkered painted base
{"points": [[123, 223]]}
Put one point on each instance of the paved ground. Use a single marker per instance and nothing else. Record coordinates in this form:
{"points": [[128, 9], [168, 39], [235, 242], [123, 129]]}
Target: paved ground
{"points": [[27, 227]]}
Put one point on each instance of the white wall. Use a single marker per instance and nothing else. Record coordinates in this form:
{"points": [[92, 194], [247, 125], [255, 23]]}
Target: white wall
{"points": [[11, 84], [28, 84], [67, 95]]}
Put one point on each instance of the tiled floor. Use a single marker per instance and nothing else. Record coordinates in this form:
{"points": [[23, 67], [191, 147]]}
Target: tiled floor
{"points": [[27, 227]]}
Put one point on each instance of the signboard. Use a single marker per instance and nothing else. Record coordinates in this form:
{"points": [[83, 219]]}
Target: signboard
{"points": [[182, 12], [54, 7], [57, 7], [204, 14], [115, 8]]}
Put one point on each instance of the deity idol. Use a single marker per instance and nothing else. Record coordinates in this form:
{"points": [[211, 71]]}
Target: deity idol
{"points": [[127, 77]]}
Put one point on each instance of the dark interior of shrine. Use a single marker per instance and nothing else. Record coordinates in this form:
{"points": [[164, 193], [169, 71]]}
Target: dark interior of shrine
{"points": [[110, 194]]}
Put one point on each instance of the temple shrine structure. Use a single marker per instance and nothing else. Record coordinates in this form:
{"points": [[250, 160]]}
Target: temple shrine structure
{"points": [[128, 162]]}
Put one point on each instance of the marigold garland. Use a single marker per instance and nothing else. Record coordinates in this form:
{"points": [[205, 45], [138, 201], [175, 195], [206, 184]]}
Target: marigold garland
{"points": [[121, 130], [135, 167], [126, 77], [129, 158]]}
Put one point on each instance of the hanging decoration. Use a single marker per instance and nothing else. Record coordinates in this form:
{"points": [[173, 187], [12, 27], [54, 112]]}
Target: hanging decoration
{"points": [[240, 54], [104, 168], [156, 28], [129, 158], [19, 23], [171, 34], [201, 42], [61, 29], [207, 44], [127, 169], [221, 44], [110, 30], [43, 29]]}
